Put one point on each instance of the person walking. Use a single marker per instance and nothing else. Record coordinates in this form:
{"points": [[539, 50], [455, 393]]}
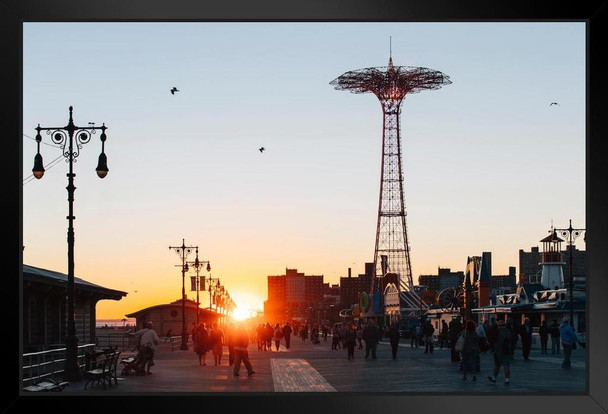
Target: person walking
{"points": [[502, 352], [515, 331], [543, 334], [416, 334], [193, 335], [554, 332], [371, 337], [569, 338], [260, 332], [230, 342], [525, 332], [493, 333], [455, 327], [241, 342], [443, 334], [202, 343], [148, 339], [393, 337], [269, 333], [482, 344], [470, 350], [277, 335], [427, 331], [287, 330], [335, 337], [304, 332], [216, 343], [360, 336], [324, 332], [350, 339]]}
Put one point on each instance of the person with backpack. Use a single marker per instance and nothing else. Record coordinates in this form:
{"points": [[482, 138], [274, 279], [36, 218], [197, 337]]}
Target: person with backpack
{"points": [[503, 351], [554, 332]]}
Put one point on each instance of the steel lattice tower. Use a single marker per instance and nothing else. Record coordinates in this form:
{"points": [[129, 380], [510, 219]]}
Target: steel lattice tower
{"points": [[390, 84]]}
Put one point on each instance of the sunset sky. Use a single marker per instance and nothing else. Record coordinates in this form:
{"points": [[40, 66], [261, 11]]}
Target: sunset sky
{"points": [[487, 160]]}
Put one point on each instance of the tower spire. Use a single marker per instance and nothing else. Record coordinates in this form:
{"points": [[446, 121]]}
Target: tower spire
{"points": [[390, 51]]}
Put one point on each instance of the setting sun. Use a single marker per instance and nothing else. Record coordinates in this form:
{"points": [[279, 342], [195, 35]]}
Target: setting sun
{"points": [[241, 314]]}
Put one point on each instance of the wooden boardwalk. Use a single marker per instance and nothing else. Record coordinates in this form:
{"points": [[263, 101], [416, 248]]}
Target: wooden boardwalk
{"points": [[316, 368]]}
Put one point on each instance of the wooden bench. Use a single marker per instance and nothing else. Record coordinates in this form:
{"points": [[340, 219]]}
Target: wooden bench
{"points": [[47, 384]]}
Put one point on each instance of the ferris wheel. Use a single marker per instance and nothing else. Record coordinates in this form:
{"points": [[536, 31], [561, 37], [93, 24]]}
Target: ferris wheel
{"points": [[451, 298]]}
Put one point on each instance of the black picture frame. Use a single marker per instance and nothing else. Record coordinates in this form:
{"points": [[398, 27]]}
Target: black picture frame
{"points": [[13, 13]]}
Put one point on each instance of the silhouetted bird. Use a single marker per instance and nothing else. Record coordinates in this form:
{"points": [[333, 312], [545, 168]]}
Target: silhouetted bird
{"points": [[92, 123], [262, 149], [173, 90], [553, 103]]}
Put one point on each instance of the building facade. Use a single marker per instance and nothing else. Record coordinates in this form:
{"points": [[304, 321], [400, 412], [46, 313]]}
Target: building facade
{"points": [[44, 311]]}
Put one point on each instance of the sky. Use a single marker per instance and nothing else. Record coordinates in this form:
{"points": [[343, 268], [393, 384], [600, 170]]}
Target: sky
{"points": [[487, 159]]}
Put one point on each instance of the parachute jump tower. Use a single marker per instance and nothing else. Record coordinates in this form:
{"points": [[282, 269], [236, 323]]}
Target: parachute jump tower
{"points": [[390, 84]]}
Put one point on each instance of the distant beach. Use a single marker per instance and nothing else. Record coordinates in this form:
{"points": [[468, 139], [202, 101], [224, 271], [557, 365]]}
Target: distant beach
{"points": [[114, 323]]}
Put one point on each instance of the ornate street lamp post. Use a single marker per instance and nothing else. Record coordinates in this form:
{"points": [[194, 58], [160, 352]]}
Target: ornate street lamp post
{"points": [[572, 235], [211, 289], [183, 252], [71, 138], [197, 266]]}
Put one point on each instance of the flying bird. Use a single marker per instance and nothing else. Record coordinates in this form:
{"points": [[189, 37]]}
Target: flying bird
{"points": [[173, 90], [553, 103], [262, 149]]}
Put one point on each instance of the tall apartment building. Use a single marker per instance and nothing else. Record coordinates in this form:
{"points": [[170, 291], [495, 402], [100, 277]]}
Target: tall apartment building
{"points": [[444, 279], [350, 287], [292, 294]]}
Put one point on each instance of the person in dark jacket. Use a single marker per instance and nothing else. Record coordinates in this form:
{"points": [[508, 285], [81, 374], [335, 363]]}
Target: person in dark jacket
{"points": [[444, 334], [241, 354], [493, 333], [393, 337], [371, 337], [514, 326], [470, 350], [455, 328], [525, 332], [543, 333], [287, 334], [350, 339], [269, 334], [502, 352], [427, 331], [554, 332]]}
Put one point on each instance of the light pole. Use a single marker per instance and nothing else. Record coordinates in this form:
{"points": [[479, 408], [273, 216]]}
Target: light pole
{"points": [[64, 137], [183, 252], [211, 288], [197, 265], [572, 234]]}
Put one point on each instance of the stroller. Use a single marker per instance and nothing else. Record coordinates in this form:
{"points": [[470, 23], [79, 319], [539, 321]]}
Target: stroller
{"points": [[136, 364]]}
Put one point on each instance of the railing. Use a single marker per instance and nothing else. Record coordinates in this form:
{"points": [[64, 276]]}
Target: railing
{"points": [[38, 365], [127, 341], [122, 341], [170, 342]]}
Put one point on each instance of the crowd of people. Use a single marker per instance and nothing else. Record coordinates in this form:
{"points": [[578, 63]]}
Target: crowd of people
{"points": [[467, 341]]}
